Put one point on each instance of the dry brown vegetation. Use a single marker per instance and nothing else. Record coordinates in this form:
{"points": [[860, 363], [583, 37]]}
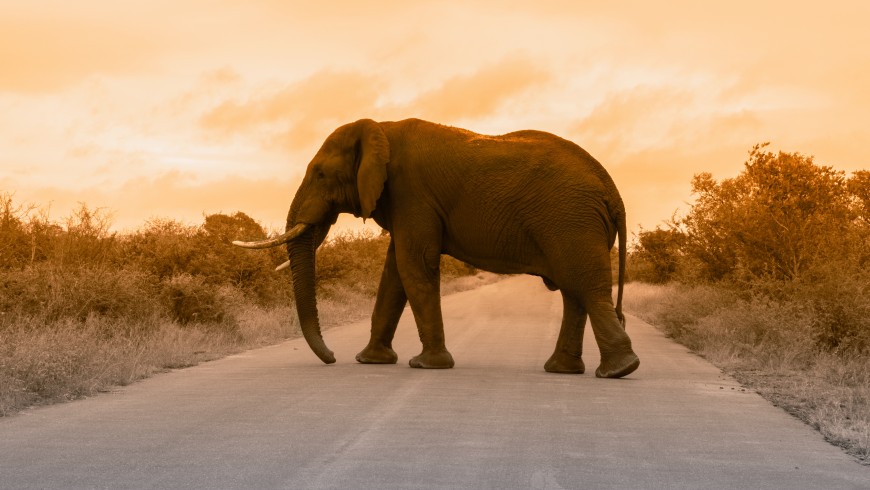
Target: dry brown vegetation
{"points": [[83, 309], [767, 276]]}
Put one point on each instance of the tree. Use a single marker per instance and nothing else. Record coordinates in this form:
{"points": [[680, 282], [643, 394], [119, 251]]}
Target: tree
{"points": [[781, 214], [163, 247], [658, 254], [222, 263], [226, 228]]}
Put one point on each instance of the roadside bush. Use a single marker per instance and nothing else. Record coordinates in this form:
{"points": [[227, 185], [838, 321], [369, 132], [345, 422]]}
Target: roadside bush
{"points": [[162, 247], [15, 250], [839, 298], [657, 255], [354, 260], [85, 239], [190, 299], [781, 215], [785, 229], [772, 283], [83, 309], [452, 268], [220, 262], [167, 248], [51, 293]]}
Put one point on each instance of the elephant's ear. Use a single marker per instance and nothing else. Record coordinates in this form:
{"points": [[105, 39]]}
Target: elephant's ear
{"points": [[372, 173]]}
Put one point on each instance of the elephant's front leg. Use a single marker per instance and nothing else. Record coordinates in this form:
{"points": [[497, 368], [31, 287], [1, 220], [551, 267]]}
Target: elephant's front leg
{"points": [[389, 305], [567, 358], [418, 260]]}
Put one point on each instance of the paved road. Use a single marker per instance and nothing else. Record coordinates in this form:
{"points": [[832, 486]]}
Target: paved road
{"points": [[278, 418]]}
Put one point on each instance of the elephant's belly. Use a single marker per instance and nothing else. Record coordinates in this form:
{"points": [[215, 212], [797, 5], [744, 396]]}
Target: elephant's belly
{"points": [[496, 266], [494, 257]]}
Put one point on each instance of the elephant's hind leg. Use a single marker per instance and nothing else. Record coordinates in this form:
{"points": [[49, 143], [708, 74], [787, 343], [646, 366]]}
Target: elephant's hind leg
{"points": [[617, 357], [567, 358], [588, 282]]}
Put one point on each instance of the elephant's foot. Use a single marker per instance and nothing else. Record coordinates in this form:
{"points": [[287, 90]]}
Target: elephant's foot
{"points": [[432, 359], [617, 365], [561, 362], [377, 354]]}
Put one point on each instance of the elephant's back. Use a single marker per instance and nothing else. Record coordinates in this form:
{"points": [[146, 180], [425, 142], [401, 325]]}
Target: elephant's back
{"points": [[523, 168]]}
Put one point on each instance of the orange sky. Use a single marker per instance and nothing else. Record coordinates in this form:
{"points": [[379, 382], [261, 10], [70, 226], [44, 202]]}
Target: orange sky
{"points": [[175, 108]]}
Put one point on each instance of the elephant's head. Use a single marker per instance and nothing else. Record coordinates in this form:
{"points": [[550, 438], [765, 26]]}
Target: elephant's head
{"points": [[347, 175]]}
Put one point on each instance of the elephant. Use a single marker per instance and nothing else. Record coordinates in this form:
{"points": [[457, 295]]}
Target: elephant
{"points": [[526, 202]]}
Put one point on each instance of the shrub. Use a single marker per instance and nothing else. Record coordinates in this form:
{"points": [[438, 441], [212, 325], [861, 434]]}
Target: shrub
{"points": [[82, 309], [190, 299], [85, 240], [657, 255], [776, 286], [14, 239], [220, 262], [167, 249], [352, 259], [162, 247], [776, 218], [839, 299], [452, 268], [51, 293]]}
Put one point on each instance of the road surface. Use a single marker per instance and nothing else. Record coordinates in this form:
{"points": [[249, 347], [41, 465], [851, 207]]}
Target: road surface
{"points": [[278, 418]]}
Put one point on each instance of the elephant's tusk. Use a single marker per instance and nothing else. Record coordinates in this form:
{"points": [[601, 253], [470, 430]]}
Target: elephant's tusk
{"points": [[292, 234], [282, 266]]}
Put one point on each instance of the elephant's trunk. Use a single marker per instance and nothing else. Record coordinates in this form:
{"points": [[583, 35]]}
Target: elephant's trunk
{"points": [[301, 253]]}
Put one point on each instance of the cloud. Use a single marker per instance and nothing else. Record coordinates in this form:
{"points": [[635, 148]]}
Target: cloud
{"points": [[655, 117], [221, 76], [481, 93], [653, 139], [632, 119], [301, 112]]}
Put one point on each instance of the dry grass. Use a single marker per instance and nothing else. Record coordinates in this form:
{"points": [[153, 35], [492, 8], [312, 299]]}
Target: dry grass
{"points": [[771, 347], [68, 359], [83, 309], [45, 361]]}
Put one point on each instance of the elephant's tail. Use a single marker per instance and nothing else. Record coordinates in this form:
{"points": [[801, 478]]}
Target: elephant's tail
{"points": [[621, 230]]}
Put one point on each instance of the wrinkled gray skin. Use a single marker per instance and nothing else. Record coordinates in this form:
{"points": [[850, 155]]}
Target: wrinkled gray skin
{"points": [[526, 202]]}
